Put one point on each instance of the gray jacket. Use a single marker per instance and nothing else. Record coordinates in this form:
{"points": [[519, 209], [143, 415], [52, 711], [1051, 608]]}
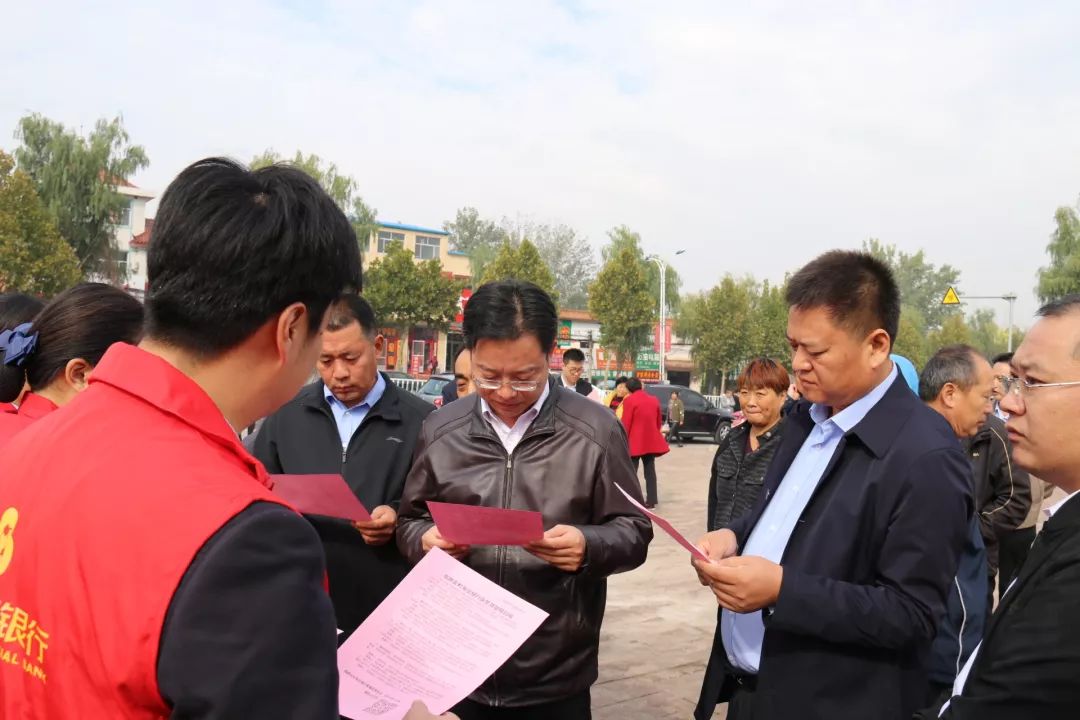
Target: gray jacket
{"points": [[737, 477]]}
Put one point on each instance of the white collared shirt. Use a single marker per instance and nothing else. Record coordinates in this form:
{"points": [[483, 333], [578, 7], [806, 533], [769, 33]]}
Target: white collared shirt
{"points": [[595, 395], [511, 436]]}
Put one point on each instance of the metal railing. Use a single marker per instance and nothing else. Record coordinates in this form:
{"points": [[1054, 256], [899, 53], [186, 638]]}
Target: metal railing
{"points": [[410, 384]]}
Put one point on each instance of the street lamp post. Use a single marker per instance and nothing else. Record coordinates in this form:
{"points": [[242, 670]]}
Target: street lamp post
{"points": [[663, 312]]}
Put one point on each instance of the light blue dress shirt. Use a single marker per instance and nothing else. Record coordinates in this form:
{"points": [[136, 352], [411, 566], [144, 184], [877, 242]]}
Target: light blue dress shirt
{"points": [[743, 633], [350, 419]]}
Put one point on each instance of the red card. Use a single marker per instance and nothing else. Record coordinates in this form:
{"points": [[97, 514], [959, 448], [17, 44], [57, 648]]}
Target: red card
{"points": [[477, 525], [320, 495]]}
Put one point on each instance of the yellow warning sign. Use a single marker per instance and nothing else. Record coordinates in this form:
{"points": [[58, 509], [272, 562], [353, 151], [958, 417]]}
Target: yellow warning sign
{"points": [[951, 298]]}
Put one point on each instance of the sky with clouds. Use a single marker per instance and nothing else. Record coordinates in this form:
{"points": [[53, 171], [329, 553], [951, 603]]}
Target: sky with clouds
{"points": [[752, 135]]}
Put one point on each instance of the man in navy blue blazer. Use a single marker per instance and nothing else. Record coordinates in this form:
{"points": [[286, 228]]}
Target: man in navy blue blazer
{"points": [[831, 587]]}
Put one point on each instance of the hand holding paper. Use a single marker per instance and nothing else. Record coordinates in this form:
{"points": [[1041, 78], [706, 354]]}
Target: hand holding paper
{"points": [[432, 539], [380, 529], [563, 546], [743, 584]]}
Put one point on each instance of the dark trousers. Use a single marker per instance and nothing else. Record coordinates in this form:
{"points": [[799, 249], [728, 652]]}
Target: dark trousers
{"points": [[576, 707], [650, 477], [1013, 549], [673, 433]]}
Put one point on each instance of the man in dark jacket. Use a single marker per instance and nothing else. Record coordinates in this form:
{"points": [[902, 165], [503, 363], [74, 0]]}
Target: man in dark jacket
{"points": [[957, 382], [523, 442], [1002, 490], [833, 583], [358, 423], [1028, 665]]}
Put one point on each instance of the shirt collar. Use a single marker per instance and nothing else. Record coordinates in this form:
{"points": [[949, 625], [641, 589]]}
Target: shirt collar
{"points": [[35, 406], [529, 415], [854, 413], [374, 394], [1053, 509], [153, 380]]}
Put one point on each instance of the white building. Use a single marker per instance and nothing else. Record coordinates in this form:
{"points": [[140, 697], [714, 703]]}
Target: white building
{"points": [[132, 237]]}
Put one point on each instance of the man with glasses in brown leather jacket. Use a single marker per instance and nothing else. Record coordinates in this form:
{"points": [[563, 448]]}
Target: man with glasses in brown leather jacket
{"points": [[524, 442]]}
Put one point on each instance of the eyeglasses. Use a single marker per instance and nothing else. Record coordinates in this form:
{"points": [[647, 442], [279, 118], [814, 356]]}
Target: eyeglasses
{"points": [[520, 386], [1019, 386]]}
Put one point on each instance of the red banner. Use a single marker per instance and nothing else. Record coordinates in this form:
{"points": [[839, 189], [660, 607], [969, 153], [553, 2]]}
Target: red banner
{"points": [[466, 293]]}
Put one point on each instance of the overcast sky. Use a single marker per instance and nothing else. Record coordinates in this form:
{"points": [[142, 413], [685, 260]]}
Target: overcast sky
{"points": [[753, 138]]}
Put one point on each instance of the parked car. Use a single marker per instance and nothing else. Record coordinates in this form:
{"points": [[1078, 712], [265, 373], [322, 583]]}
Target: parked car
{"points": [[702, 418], [432, 389], [398, 375]]}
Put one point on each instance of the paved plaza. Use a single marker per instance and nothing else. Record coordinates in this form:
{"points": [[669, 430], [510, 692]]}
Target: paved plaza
{"points": [[660, 621]]}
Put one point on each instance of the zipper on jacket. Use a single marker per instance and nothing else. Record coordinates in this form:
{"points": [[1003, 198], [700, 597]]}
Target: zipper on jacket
{"points": [[500, 562]]}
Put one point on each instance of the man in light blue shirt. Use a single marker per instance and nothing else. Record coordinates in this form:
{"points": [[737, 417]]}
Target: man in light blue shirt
{"points": [[350, 418], [831, 586]]}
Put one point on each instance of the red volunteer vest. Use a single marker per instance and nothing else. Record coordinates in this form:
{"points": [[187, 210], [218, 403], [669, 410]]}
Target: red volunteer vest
{"points": [[13, 420], [103, 506]]}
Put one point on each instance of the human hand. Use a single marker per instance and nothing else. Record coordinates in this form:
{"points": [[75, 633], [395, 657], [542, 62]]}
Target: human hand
{"points": [[380, 529], [419, 711], [717, 545], [433, 539], [563, 546], [744, 584]]}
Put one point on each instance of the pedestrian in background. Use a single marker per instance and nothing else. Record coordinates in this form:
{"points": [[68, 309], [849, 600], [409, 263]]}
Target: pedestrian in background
{"points": [[642, 418], [676, 414], [15, 309], [615, 398]]}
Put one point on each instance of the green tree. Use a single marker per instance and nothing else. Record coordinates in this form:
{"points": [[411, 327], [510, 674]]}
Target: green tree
{"points": [[476, 237], [768, 323], [1062, 276], [521, 263], [76, 178], [623, 237], [570, 258], [911, 341], [954, 331], [340, 187], [922, 284], [34, 259], [727, 331], [620, 301], [405, 293]]}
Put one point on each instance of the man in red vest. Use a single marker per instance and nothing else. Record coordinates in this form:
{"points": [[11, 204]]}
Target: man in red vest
{"points": [[146, 569]]}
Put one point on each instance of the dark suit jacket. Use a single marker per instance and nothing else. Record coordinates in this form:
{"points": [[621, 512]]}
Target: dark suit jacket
{"points": [[1029, 663], [866, 571], [302, 438]]}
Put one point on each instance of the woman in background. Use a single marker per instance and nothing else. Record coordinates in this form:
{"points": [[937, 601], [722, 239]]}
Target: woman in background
{"points": [[58, 351], [16, 309]]}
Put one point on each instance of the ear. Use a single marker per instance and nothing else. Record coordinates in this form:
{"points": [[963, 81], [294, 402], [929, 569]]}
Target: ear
{"points": [[880, 346], [77, 374], [292, 332], [949, 395], [380, 343]]}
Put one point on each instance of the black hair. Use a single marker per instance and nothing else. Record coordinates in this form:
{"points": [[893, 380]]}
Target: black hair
{"points": [[1061, 306], [633, 384], [858, 291], [1005, 357], [15, 310], [507, 310], [232, 247], [81, 322], [951, 364], [573, 355], [351, 309], [621, 380]]}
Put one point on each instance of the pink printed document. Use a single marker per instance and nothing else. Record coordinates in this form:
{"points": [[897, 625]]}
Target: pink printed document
{"points": [[667, 527], [320, 495], [441, 632], [477, 525]]}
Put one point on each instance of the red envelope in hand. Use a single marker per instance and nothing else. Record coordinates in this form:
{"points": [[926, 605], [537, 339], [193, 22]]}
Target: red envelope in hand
{"points": [[320, 495], [477, 525]]}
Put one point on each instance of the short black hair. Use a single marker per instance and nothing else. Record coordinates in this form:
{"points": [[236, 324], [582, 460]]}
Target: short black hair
{"points": [[858, 291], [15, 310], [232, 247], [1005, 357], [674, 392], [621, 380], [951, 364], [81, 322], [573, 355], [1061, 306], [633, 384], [351, 309], [507, 310]]}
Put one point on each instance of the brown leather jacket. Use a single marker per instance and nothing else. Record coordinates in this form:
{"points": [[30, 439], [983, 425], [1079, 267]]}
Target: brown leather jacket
{"points": [[566, 467]]}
